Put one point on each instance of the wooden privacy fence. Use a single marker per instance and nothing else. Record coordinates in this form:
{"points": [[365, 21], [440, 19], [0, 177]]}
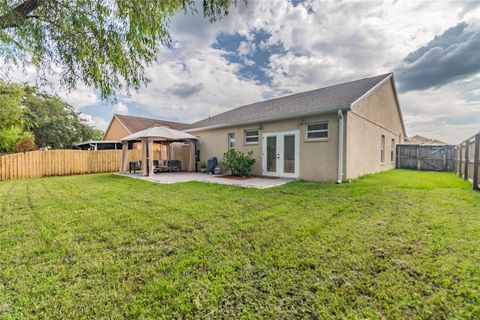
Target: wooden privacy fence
{"points": [[35, 164], [426, 157], [468, 164]]}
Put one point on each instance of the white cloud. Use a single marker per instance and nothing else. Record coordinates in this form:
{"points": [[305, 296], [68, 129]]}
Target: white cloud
{"points": [[220, 87], [81, 97], [120, 108], [246, 48], [324, 42], [440, 113], [100, 123], [97, 122]]}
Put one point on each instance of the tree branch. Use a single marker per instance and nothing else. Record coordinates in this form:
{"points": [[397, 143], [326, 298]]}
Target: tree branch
{"points": [[17, 16]]}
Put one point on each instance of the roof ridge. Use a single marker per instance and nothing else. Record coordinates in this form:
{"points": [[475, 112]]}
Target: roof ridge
{"points": [[293, 94], [332, 85], [129, 116]]}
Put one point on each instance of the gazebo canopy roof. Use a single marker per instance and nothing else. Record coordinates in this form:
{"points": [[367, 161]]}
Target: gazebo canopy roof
{"points": [[159, 133]]}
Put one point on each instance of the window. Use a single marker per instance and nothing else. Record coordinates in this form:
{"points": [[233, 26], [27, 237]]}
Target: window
{"points": [[392, 151], [251, 136], [231, 140], [382, 149], [317, 131]]}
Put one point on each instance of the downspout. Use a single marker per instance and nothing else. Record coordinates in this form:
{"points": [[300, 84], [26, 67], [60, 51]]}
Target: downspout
{"points": [[340, 146]]}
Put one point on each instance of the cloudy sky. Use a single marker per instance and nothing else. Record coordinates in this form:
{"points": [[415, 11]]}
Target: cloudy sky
{"points": [[267, 49]]}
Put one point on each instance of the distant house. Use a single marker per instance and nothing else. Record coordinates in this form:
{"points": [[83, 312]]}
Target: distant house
{"points": [[121, 126], [95, 145], [421, 140], [330, 134]]}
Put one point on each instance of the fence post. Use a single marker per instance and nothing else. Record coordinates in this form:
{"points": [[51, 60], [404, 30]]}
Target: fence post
{"points": [[460, 159], [467, 159], [418, 158], [476, 163], [445, 158], [397, 150]]}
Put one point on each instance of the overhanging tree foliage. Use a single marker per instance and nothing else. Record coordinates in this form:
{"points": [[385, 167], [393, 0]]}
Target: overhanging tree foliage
{"points": [[104, 43]]}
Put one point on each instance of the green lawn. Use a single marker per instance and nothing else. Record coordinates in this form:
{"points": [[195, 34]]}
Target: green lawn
{"points": [[401, 244]]}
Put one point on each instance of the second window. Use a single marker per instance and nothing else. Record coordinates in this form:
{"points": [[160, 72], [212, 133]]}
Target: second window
{"points": [[316, 131]]}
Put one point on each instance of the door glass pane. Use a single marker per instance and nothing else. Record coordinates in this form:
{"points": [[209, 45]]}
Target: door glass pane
{"points": [[289, 153], [272, 154]]}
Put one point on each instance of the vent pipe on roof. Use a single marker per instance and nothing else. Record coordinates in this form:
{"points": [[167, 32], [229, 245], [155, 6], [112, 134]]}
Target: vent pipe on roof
{"points": [[340, 146]]}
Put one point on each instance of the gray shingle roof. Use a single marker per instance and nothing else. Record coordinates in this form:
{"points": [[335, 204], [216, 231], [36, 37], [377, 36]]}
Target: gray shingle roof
{"points": [[319, 100]]}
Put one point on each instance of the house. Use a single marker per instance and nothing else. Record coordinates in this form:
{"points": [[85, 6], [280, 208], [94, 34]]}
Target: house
{"points": [[421, 140], [121, 126], [94, 145], [334, 133]]}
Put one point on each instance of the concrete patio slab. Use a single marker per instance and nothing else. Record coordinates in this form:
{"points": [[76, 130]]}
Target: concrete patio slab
{"points": [[176, 177]]}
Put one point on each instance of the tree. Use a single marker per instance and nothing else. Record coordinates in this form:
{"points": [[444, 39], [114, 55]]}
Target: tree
{"points": [[53, 122], [11, 116], [30, 117], [105, 43]]}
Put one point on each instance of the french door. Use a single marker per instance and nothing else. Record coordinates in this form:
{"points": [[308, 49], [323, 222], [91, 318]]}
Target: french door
{"points": [[280, 154]]}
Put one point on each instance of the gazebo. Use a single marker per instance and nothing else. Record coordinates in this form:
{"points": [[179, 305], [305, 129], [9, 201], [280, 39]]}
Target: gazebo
{"points": [[148, 137]]}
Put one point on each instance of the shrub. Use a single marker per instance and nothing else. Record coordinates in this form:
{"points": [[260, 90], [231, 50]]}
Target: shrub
{"points": [[238, 163], [27, 143]]}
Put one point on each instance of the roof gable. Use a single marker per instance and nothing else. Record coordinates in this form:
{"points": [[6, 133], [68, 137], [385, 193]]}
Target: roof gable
{"points": [[135, 124], [332, 98], [390, 105]]}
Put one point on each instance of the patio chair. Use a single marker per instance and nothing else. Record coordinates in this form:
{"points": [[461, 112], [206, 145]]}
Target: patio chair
{"points": [[174, 165], [167, 166], [160, 166], [134, 166]]}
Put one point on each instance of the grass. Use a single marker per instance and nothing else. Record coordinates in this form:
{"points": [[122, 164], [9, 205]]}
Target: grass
{"points": [[401, 244]]}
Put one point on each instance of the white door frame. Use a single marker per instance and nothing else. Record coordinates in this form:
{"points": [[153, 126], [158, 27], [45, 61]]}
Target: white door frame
{"points": [[280, 153]]}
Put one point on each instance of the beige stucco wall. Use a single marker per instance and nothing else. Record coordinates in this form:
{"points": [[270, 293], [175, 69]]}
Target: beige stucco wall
{"points": [[116, 131], [376, 115], [318, 159]]}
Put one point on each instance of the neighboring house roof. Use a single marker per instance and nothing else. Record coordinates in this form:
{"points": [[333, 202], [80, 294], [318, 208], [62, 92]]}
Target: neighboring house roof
{"points": [[328, 99], [134, 124], [421, 140]]}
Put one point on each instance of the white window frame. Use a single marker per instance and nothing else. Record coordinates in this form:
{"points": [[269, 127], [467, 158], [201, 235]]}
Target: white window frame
{"points": [[313, 131], [230, 137], [382, 149], [254, 136]]}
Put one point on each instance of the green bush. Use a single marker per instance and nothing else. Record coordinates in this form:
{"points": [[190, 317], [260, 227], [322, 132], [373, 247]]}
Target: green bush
{"points": [[238, 163]]}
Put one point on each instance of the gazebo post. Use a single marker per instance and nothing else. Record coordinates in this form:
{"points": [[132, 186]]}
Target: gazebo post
{"points": [[150, 156], [124, 161], [144, 156], [191, 156]]}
